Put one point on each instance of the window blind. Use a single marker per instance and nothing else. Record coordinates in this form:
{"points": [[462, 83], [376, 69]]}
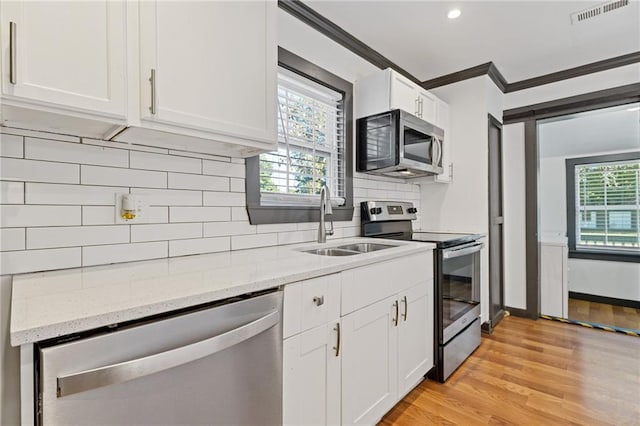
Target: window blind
{"points": [[310, 145], [608, 205]]}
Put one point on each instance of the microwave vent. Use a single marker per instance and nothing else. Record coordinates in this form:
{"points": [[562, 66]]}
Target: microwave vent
{"points": [[596, 11]]}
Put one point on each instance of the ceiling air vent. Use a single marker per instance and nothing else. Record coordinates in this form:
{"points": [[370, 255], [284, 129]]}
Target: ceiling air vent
{"points": [[598, 10]]}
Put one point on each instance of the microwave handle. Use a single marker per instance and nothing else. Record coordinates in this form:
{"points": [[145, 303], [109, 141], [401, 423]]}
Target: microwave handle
{"points": [[439, 143]]}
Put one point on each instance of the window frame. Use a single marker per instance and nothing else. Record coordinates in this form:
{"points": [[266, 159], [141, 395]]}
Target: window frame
{"points": [[261, 214], [606, 254]]}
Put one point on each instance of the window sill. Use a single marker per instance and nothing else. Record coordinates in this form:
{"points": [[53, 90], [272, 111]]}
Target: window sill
{"points": [[604, 255], [261, 215]]}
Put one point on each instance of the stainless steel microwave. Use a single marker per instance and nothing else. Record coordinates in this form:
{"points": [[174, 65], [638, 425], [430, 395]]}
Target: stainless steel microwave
{"points": [[397, 143]]}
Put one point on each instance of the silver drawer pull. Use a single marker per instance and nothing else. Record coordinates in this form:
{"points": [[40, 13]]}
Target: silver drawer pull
{"points": [[12, 52], [318, 300]]}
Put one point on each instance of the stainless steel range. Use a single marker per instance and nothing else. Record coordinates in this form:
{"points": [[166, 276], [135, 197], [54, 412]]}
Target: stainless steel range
{"points": [[456, 279]]}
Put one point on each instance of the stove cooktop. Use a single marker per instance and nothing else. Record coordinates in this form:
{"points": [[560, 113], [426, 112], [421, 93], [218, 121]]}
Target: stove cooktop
{"points": [[445, 239]]}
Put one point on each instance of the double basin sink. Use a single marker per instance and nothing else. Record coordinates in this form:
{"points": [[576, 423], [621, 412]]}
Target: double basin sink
{"points": [[349, 249]]}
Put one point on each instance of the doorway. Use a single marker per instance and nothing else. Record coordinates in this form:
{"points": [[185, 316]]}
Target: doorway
{"points": [[496, 224]]}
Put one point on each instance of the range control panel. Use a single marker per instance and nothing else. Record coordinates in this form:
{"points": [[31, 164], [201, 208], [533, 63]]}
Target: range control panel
{"points": [[373, 211]]}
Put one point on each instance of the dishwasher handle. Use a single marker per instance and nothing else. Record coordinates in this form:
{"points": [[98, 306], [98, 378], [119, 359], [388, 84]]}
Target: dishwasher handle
{"points": [[136, 368]]}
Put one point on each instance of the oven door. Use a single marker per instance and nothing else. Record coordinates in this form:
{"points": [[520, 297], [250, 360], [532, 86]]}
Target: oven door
{"points": [[460, 288]]}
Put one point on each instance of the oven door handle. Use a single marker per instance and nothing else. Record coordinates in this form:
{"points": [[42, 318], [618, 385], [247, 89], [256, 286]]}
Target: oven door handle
{"points": [[462, 250]]}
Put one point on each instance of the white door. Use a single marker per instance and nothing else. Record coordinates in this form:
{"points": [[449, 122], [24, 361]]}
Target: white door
{"points": [[65, 54], [215, 65], [311, 377], [403, 94], [369, 363], [415, 335]]}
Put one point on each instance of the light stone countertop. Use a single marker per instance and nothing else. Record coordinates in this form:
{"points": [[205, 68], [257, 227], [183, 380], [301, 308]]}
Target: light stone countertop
{"points": [[45, 305]]}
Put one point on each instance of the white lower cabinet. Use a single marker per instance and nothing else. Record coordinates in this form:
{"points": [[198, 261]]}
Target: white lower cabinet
{"points": [[311, 381], [369, 371], [365, 356]]}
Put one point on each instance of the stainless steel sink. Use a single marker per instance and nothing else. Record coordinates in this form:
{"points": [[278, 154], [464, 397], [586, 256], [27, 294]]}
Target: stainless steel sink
{"points": [[349, 249], [331, 252], [365, 247]]}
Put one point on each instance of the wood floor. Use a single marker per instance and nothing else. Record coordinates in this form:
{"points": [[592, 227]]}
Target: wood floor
{"points": [[603, 313], [534, 373]]}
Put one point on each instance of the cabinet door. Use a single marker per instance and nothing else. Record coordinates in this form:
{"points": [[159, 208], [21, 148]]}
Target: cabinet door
{"points": [[427, 106], [403, 94], [415, 336], [311, 377], [369, 363], [67, 54], [215, 65]]}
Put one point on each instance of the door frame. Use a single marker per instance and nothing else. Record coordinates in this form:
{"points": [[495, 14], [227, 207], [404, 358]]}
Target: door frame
{"points": [[489, 325], [529, 115]]}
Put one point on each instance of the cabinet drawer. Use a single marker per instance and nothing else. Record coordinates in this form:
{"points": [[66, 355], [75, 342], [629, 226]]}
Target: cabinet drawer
{"points": [[366, 285], [310, 303]]}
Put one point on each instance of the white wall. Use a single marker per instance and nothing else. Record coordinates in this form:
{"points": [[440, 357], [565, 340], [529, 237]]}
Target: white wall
{"points": [[620, 280], [463, 204], [513, 137]]}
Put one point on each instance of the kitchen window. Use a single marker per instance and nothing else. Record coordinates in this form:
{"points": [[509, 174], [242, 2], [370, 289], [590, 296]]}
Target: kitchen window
{"points": [[603, 207], [314, 148]]}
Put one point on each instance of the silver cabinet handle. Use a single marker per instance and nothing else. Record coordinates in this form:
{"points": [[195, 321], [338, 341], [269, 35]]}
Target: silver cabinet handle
{"points": [[421, 107], [406, 308], [12, 52], [339, 338], [318, 300], [395, 319], [152, 80], [136, 368], [417, 102]]}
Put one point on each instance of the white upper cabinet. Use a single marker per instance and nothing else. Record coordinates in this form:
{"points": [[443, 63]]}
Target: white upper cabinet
{"points": [[208, 72], [387, 89], [64, 58]]}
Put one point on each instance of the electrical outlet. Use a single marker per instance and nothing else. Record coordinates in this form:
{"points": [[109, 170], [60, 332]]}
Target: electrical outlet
{"points": [[133, 201]]}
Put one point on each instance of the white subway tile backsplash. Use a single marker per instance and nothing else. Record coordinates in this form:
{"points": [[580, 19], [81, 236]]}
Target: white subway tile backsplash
{"points": [[124, 145], [95, 175], [38, 171], [18, 215], [218, 168], [11, 146], [241, 242], [43, 149], [199, 214], [11, 192], [165, 232], [100, 255], [196, 203], [169, 197], [12, 239], [169, 163], [17, 262], [204, 183], [229, 199], [212, 229], [237, 185], [199, 246], [92, 215], [36, 134], [44, 193], [74, 236]]}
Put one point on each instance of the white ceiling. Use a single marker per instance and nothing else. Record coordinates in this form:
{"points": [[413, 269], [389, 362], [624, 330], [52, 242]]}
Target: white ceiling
{"points": [[523, 38], [595, 132]]}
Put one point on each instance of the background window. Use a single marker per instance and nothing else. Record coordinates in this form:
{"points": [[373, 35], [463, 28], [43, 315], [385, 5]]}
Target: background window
{"points": [[315, 147], [604, 207]]}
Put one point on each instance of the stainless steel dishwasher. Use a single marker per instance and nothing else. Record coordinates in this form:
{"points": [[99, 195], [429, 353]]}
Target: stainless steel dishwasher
{"points": [[219, 365]]}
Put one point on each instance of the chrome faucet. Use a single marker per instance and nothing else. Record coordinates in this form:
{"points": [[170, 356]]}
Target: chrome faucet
{"points": [[325, 210]]}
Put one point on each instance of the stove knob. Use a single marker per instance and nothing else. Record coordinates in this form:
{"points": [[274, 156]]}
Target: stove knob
{"points": [[372, 210], [412, 210], [378, 210]]}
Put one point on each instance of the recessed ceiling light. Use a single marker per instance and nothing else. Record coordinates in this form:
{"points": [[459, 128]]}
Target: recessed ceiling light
{"points": [[454, 13]]}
